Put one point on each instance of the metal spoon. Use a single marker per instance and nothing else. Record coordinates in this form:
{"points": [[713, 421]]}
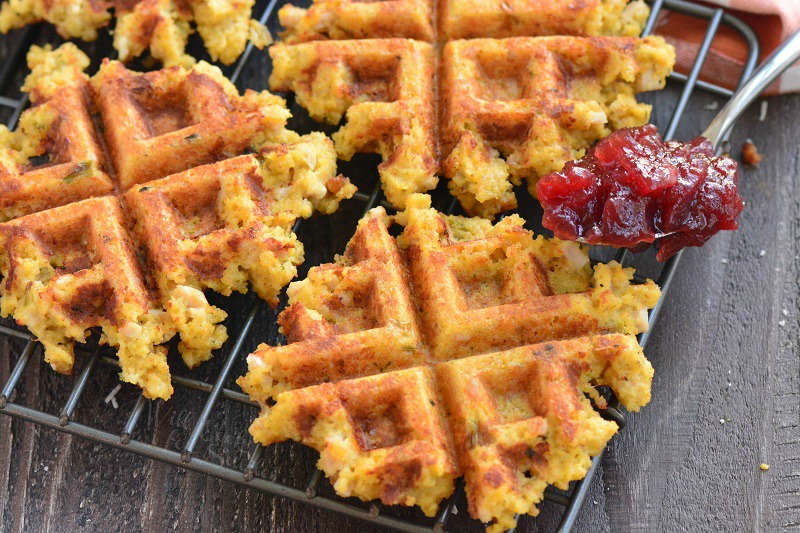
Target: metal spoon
{"points": [[772, 67]]}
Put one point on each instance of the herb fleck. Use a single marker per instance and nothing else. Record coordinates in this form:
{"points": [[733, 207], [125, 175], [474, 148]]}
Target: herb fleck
{"points": [[79, 170]]}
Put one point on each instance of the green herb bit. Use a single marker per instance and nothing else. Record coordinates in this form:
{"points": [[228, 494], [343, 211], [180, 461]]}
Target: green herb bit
{"points": [[81, 169]]}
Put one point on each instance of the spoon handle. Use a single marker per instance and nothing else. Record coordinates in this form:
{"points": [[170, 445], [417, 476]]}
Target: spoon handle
{"points": [[772, 67]]}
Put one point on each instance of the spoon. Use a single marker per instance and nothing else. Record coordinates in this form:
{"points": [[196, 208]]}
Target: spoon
{"points": [[772, 67]]}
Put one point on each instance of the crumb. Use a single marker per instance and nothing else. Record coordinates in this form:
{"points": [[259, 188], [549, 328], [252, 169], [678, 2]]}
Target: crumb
{"points": [[455, 509], [762, 115], [750, 155], [721, 420], [762, 253], [112, 396], [781, 323], [724, 261], [785, 312], [764, 466], [711, 106]]}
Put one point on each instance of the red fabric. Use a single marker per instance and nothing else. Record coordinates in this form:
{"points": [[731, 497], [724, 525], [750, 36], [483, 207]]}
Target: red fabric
{"points": [[772, 20]]}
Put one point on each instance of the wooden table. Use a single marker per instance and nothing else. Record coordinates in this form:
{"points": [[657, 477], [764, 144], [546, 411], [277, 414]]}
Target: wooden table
{"points": [[726, 398]]}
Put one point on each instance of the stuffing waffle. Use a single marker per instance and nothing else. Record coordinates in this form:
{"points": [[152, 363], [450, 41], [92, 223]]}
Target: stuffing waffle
{"points": [[58, 130], [386, 88], [160, 26], [539, 102], [507, 109], [458, 348], [96, 242]]}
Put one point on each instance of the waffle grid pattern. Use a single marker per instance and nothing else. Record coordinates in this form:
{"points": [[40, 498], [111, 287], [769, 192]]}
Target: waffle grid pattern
{"points": [[216, 391], [484, 113]]}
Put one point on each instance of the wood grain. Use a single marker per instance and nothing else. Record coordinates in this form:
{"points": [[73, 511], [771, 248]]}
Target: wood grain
{"points": [[726, 348]]}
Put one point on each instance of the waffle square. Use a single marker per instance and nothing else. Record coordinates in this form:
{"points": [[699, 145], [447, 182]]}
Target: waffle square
{"points": [[160, 26], [220, 226], [459, 290], [386, 87], [521, 419], [468, 289], [162, 122], [350, 318], [136, 266], [539, 102], [352, 19], [382, 436], [72, 268], [53, 157], [468, 19]]}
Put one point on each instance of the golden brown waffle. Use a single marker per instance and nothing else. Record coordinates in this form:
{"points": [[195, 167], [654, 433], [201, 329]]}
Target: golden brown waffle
{"points": [[350, 318], [162, 122], [508, 108], [227, 226], [223, 225], [53, 157], [386, 88], [353, 19], [383, 436], [162, 26], [72, 268], [467, 19], [446, 289], [521, 419], [539, 102]]}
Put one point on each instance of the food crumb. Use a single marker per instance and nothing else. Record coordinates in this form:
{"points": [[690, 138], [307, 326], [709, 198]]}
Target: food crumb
{"points": [[762, 115], [112, 397], [785, 312], [711, 106], [724, 261], [721, 420], [750, 155], [764, 466], [762, 253], [781, 323]]}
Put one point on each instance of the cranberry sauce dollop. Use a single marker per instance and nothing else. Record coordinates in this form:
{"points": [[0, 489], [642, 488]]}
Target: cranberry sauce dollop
{"points": [[632, 186]]}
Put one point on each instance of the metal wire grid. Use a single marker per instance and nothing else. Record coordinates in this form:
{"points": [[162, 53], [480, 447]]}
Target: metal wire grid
{"points": [[571, 500]]}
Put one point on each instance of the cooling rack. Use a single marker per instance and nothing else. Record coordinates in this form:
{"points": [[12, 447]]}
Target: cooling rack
{"points": [[213, 385]]}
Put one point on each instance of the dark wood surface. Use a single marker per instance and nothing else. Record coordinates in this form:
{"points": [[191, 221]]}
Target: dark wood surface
{"points": [[726, 397]]}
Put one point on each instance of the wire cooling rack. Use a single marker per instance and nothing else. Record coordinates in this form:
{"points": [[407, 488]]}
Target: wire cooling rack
{"points": [[189, 455]]}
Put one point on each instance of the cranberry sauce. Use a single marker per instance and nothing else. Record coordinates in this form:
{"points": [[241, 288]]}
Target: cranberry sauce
{"points": [[632, 186]]}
